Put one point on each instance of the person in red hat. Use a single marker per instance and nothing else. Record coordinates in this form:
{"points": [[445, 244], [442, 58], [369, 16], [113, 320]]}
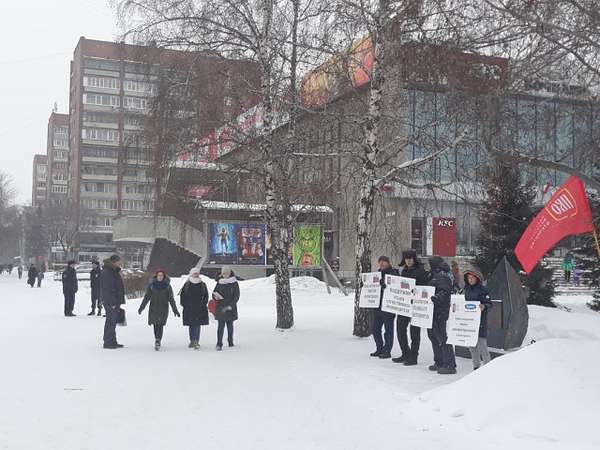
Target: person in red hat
{"points": [[160, 295]]}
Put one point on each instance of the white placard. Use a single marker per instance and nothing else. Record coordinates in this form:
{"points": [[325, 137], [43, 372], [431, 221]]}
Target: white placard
{"points": [[371, 290], [398, 294], [422, 307], [463, 322]]}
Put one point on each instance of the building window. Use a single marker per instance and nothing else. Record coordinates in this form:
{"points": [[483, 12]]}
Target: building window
{"points": [[417, 234], [100, 117], [59, 189], [63, 143], [136, 103], [106, 188], [139, 86], [100, 134], [94, 152], [101, 82], [101, 99]]}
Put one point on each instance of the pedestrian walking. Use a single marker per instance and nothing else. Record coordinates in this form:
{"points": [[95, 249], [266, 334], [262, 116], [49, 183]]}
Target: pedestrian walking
{"points": [[20, 271], [40, 277], [443, 353], [32, 274], [95, 286], [70, 287], [411, 268], [383, 319], [475, 291], [194, 300], [160, 295], [227, 292], [112, 296], [567, 266]]}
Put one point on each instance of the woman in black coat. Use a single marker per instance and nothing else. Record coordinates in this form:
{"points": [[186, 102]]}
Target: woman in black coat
{"points": [[32, 275], [194, 300], [227, 292]]}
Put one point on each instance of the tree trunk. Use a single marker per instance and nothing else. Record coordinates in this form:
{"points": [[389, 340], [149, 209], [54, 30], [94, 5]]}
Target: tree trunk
{"points": [[368, 189]]}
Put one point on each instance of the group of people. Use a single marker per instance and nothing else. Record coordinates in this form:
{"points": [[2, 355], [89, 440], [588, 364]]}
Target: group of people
{"points": [[108, 291], [34, 275], [572, 270], [441, 278]]}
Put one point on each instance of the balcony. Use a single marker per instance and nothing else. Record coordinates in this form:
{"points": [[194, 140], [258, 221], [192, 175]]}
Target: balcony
{"points": [[94, 177]]}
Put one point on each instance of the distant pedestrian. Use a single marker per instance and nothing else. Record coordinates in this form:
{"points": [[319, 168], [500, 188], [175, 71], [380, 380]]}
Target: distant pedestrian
{"points": [[443, 353], [567, 266], [20, 271], [70, 287], [194, 301], [227, 291], [112, 296], [457, 284], [577, 275], [383, 319], [32, 274], [95, 286], [411, 268], [40, 277], [475, 291], [160, 295]]}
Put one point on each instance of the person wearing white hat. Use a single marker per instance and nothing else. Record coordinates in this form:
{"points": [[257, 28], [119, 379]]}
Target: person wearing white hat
{"points": [[194, 300]]}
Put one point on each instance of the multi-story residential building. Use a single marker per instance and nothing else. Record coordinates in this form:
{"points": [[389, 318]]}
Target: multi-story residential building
{"points": [[58, 158], [112, 162], [39, 181]]}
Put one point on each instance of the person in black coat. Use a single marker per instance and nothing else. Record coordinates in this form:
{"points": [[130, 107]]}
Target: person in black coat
{"points": [[32, 274], [383, 319], [475, 291], [227, 294], [194, 300], [411, 268], [95, 285], [70, 287], [443, 353], [112, 296]]}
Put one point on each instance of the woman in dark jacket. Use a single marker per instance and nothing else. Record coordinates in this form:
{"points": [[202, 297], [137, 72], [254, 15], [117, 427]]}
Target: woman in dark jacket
{"points": [[411, 268], [32, 275], [475, 291], [194, 300], [227, 292], [160, 295]]}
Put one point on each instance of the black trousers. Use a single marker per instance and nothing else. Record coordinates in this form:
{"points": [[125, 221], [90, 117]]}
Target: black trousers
{"points": [[221, 331], [96, 299], [110, 326], [443, 353], [158, 331], [412, 350], [386, 321], [69, 302]]}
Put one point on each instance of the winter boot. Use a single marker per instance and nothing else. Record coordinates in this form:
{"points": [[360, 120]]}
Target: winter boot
{"points": [[157, 345], [433, 368], [412, 361], [399, 359], [99, 312], [385, 355], [219, 347], [191, 344], [92, 313], [230, 343], [376, 353], [196, 345], [446, 371]]}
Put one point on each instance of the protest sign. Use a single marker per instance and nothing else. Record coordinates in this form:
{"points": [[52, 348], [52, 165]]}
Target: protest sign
{"points": [[463, 322], [422, 308], [398, 294], [371, 290]]}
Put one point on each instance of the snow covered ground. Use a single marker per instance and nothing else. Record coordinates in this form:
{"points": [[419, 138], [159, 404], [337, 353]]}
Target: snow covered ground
{"points": [[311, 388]]}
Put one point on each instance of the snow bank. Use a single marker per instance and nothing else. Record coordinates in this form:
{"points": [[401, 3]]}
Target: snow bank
{"points": [[548, 323], [539, 397]]}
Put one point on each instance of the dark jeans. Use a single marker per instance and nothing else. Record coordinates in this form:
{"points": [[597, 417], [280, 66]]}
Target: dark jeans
{"points": [[110, 325], [443, 353], [221, 330], [158, 331], [96, 299], [402, 323], [39, 282], [568, 276], [383, 320], [194, 332], [69, 302]]}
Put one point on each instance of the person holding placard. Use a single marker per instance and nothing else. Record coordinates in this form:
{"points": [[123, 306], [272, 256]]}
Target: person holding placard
{"points": [[411, 268], [383, 319], [443, 353], [475, 291]]}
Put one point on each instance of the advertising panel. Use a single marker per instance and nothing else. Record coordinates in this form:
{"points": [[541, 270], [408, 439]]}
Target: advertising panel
{"points": [[251, 242], [222, 243], [307, 245]]}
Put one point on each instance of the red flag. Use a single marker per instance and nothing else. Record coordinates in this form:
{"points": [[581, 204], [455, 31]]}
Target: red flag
{"points": [[566, 213]]}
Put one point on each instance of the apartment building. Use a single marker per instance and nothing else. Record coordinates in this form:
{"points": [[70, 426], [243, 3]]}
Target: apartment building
{"points": [[39, 181], [57, 152], [112, 163]]}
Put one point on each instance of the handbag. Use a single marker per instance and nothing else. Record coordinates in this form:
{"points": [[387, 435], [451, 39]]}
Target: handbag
{"points": [[121, 318], [212, 306]]}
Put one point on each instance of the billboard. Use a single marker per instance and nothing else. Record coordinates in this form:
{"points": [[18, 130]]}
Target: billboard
{"points": [[251, 244], [222, 243], [307, 245]]}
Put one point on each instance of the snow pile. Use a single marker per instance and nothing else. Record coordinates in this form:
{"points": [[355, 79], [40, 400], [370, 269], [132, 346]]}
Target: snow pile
{"points": [[548, 323], [543, 396]]}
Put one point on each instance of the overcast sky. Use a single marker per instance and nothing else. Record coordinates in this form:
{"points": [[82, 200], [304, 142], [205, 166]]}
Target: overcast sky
{"points": [[38, 38]]}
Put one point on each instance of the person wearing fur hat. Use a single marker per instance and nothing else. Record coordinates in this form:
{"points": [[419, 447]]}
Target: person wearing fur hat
{"points": [[160, 295], [475, 291], [383, 319], [411, 268], [194, 300], [70, 287], [112, 295], [227, 292]]}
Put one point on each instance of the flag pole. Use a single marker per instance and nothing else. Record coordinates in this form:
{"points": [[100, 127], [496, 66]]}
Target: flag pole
{"points": [[596, 239]]}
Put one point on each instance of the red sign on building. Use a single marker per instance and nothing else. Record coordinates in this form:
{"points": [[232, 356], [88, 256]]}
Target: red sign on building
{"points": [[444, 236]]}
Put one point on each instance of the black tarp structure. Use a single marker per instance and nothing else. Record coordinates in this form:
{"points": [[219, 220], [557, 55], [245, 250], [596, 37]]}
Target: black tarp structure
{"points": [[509, 318]]}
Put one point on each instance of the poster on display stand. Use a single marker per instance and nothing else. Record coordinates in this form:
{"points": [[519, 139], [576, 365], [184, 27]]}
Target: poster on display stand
{"points": [[463, 322], [422, 307], [222, 245], [398, 294], [371, 290], [251, 244], [307, 245]]}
